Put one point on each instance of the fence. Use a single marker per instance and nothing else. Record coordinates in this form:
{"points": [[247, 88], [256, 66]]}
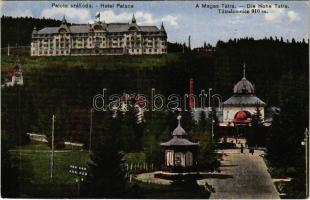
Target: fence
{"points": [[140, 167]]}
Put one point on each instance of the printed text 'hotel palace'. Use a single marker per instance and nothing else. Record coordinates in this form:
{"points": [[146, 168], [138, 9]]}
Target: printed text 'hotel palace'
{"points": [[99, 38]]}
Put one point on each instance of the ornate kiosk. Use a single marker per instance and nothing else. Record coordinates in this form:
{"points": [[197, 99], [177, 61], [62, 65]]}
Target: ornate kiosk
{"points": [[179, 155]]}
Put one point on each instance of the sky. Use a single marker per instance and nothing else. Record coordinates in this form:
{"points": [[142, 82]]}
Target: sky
{"points": [[182, 18]]}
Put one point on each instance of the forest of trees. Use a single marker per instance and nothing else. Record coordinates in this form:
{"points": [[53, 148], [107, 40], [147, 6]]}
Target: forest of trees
{"points": [[278, 69], [17, 30]]}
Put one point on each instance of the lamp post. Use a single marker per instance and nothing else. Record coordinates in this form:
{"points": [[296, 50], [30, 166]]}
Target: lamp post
{"points": [[307, 173], [90, 128], [305, 143], [209, 98], [212, 128], [52, 153]]}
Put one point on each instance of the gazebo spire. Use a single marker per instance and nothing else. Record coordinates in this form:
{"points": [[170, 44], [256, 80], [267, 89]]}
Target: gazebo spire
{"points": [[179, 131], [179, 120]]}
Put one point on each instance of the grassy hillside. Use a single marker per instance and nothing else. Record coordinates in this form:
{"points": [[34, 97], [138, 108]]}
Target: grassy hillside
{"points": [[102, 62], [66, 85]]}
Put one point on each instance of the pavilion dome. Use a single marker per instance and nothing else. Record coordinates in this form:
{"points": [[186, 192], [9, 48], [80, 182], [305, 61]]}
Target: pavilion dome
{"points": [[178, 131], [244, 87]]}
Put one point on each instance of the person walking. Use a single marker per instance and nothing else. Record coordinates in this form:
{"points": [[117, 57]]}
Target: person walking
{"points": [[241, 148], [252, 150]]}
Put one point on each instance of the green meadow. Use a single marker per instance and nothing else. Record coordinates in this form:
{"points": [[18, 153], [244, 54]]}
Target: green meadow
{"points": [[33, 162], [102, 62]]}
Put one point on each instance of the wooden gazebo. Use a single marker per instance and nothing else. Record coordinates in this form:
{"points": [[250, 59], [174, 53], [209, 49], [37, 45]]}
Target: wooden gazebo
{"points": [[179, 155]]}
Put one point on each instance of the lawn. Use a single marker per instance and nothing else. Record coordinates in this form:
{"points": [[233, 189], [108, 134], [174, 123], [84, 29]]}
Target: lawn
{"points": [[33, 162], [135, 157]]}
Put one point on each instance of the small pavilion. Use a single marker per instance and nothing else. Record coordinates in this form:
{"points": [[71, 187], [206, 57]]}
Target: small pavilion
{"points": [[179, 155]]}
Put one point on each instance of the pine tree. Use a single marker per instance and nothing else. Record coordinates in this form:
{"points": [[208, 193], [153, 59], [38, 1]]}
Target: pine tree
{"points": [[254, 131], [188, 121], [215, 122], [202, 123], [207, 159], [107, 176], [130, 130], [9, 172], [257, 117]]}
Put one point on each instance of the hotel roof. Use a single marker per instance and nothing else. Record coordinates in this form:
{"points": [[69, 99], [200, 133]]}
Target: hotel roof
{"points": [[110, 28], [178, 142]]}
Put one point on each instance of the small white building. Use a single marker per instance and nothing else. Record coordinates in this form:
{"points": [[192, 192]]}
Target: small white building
{"points": [[14, 76], [240, 108]]}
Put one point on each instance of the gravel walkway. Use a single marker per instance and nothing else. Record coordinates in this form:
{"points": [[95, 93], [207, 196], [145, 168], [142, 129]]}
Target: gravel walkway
{"points": [[250, 178]]}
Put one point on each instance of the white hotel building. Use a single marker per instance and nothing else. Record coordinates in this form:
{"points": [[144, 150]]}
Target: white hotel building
{"points": [[99, 38]]}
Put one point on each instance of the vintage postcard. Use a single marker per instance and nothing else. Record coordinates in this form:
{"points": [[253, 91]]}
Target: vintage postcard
{"points": [[155, 99]]}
